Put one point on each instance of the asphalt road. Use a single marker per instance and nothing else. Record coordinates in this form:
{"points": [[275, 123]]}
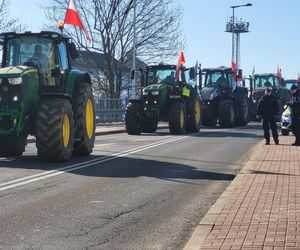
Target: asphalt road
{"points": [[134, 192]]}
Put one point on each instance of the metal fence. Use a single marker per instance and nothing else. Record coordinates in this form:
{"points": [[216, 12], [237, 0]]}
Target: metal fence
{"points": [[110, 110]]}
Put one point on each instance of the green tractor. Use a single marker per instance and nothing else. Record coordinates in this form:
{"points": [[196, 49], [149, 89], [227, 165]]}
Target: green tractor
{"points": [[41, 95], [164, 98]]}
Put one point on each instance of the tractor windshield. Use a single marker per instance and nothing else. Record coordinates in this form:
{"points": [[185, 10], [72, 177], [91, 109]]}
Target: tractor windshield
{"points": [[31, 51], [161, 76], [215, 77], [264, 81], [289, 84]]}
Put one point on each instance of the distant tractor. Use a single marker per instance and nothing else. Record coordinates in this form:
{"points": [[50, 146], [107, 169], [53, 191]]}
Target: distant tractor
{"points": [[289, 83], [224, 100], [257, 88], [164, 98], [41, 95]]}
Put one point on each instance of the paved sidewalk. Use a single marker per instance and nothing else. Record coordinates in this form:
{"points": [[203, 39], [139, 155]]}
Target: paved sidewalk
{"points": [[261, 207]]}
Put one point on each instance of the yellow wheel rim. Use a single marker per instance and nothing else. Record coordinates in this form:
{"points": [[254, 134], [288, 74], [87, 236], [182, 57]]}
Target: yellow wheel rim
{"points": [[89, 119], [66, 131], [198, 112], [181, 119]]}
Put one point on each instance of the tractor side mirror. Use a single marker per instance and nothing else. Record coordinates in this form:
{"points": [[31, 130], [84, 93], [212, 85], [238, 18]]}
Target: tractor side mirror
{"points": [[143, 78], [240, 74], [73, 51], [192, 73]]}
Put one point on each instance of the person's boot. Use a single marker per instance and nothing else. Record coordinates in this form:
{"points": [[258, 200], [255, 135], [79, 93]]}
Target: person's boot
{"points": [[267, 142], [276, 142]]}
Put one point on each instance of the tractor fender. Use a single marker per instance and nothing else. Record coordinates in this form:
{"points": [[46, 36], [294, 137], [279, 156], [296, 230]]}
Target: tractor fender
{"points": [[75, 78], [56, 95]]}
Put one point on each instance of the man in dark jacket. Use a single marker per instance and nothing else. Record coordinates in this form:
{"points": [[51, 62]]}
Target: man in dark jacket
{"points": [[295, 106], [268, 109]]}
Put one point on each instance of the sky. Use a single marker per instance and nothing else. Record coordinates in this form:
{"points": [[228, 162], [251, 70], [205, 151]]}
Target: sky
{"points": [[274, 38]]}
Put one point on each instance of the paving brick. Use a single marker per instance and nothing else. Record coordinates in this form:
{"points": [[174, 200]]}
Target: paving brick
{"points": [[262, 209]]}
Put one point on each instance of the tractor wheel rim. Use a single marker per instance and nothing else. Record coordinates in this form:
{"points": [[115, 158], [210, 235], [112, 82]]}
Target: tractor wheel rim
{"points": [[89, 119], [181, 119], [66, 131], [198, 112]]}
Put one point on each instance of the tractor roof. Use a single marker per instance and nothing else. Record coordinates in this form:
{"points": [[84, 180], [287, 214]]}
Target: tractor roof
{"points": [[291, 80], [46, 34], [162, 66], [219, 69], [265, 74]]}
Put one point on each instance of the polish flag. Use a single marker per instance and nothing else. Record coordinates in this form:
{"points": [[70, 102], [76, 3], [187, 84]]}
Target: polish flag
{"points": [[181, 62], [73, 18]]}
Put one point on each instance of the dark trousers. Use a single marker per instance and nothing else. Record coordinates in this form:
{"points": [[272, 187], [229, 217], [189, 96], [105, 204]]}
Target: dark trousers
{"points": [[296, 129], [267, 123]]}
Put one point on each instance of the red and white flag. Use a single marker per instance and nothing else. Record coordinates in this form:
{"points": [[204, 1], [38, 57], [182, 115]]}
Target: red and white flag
{"points": [[279, 74], [181, 62], [73, 18]]}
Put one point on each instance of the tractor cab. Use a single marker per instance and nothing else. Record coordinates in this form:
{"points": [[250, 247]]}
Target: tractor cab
{"points": [[166, 74], [291, 82], [47, 52], [266, 80]]}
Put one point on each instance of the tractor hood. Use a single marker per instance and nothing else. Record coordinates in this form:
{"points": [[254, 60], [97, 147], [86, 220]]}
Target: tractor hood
{"points": [[209, 92], [17, 71], [155, 87]]}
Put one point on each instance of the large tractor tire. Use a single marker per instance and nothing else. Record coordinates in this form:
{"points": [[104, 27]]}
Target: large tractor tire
{"points": [[132, 121], [149, 127], [194, 116], [244, 111], [177, 118], [84, 116], [227, 116], [55, 130], [11, 146]]}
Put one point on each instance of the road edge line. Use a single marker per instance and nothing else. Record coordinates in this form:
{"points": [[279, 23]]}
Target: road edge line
{"points": [[207, 223]]}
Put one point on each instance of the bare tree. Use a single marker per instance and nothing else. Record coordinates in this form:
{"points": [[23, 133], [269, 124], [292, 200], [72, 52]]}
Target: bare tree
{"points": [[6, 23], [110, 24]]}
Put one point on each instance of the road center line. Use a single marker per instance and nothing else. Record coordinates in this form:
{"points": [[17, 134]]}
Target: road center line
{"points": [[47, 174]]}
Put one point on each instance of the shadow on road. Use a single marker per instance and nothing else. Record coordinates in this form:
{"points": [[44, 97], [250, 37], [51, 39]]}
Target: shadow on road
{"points": [[123, 167]]}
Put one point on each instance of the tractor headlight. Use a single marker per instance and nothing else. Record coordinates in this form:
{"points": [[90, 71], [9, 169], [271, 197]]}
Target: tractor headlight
{"points": [[155, 93], [15, 81], [145, 92]]}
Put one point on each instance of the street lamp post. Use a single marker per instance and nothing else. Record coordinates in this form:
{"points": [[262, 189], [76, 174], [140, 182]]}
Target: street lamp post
{"points": [[134, 52], [233, 28]]}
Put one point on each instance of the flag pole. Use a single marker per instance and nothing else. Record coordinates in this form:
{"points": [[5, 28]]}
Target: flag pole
{"points": [[134, 51]]}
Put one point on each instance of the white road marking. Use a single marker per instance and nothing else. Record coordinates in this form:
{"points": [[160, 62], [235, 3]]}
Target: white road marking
{"points": [[104, 144], [51, 173]]}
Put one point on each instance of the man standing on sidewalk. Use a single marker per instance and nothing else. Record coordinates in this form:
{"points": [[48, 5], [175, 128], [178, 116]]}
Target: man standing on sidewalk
{"points": [[295, 106], [268, 110]]}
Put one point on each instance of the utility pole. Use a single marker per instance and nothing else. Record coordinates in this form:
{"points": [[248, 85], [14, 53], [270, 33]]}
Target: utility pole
{"points": [[134, 52]]}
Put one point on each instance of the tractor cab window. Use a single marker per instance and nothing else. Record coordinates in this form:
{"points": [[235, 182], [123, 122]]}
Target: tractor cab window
{"points": [[265, 81], [161, 76], [232, 82], [190, 81], [216, 77], [32, 51], [63, 56]]}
